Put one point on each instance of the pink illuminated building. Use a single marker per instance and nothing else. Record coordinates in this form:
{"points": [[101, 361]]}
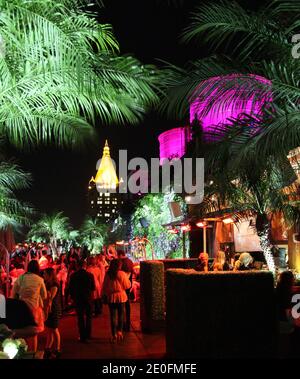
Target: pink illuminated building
{"points": [[229, 106], [173, 143], [233, 104]]}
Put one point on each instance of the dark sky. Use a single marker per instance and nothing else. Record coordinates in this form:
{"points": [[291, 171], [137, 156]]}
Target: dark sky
{"points": [[149, 30]]}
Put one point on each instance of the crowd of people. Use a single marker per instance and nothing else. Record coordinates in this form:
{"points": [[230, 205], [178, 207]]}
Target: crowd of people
{"points": [[42, 286], [223, 262]]}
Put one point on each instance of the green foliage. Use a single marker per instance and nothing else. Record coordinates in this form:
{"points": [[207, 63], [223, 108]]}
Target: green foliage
{"points": [[245, 42], [51, 228], [154, 208], [152, 294], [207, 312], [60, 70], [94, 234], [13, 213]]}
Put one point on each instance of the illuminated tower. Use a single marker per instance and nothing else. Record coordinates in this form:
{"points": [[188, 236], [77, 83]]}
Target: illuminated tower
{"points": [[104, 201]]}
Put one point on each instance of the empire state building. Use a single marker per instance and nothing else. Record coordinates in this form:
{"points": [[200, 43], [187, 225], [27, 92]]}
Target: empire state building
{"points": [[104, 201]]}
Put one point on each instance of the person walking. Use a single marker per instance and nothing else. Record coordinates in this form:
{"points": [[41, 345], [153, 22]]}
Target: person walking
{"points": [[127, 267], [99, 274], [53, 312], [116, 283], [82, 287]]}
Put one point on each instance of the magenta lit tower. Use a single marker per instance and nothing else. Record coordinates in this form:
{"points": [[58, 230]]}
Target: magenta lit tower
{"points": [[173, 143], [233, 104]]}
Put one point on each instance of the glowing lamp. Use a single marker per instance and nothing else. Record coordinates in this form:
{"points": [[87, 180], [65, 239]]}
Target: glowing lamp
{"points": [[120, 243], [229, 106], [200, 224], [10, 348], [228, 220], [185, 228], [173, 231]]}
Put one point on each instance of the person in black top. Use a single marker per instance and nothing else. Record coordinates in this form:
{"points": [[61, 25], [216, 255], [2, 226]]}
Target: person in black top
{"points": [[82, 286], [127, 266], [53, 308], [19, 319]]}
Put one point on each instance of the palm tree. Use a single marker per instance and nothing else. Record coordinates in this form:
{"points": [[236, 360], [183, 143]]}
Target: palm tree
{"points": [[60, 72], [51, 228], [72, 238], [94, 234], [247, 190], [244, 42], [13, 212]]}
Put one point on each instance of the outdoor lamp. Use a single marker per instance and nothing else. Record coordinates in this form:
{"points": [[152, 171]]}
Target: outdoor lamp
{"points": [[228, 220], [10, 347], [201, 224], [185, 228]]}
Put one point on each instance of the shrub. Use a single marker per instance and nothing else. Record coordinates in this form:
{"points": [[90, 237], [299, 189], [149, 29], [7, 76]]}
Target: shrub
{"points": [[220, 314], [152, 294], [152, 280]]}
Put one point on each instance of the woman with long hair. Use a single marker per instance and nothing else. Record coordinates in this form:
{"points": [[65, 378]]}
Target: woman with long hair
{"points": [[53, 310], [116, 283], [220, 263], [30, 287]]}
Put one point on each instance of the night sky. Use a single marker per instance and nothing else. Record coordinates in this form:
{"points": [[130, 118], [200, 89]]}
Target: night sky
{"points": [[149, 30]]}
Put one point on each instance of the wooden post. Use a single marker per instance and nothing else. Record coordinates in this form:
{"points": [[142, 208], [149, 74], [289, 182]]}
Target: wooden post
{"points": [[204, 238]]}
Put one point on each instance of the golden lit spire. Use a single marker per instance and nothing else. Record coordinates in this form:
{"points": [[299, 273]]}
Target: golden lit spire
{"points": [[106, 176], [92, 180]]}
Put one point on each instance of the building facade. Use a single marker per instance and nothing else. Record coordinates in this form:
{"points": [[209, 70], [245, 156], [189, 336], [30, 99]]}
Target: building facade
{"points": [[104, 201]]}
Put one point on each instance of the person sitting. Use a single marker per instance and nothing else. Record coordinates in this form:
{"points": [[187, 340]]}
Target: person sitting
{"points": [[220, 263], [202, 264], [19, 319], [244, 262]]}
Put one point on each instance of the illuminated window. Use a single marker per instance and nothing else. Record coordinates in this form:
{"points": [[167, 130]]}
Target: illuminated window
{"points": [[98, 214], [113, 211], [106, 194], [92, 202], [106, 214]]}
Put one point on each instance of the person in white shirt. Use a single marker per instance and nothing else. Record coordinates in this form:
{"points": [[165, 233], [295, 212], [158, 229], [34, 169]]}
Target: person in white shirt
{"points": [[43, 261], [30, 287], [98, 272]]}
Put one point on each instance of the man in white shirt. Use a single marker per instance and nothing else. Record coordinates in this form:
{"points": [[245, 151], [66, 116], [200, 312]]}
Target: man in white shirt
{"points": [[43, 261]]}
